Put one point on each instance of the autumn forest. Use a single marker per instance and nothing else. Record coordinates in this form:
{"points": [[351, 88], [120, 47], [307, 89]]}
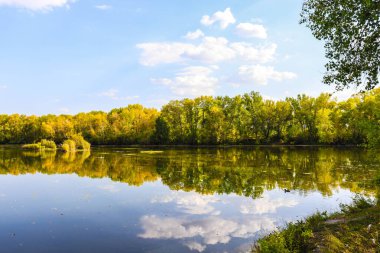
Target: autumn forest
{"points": [[243, 119]]}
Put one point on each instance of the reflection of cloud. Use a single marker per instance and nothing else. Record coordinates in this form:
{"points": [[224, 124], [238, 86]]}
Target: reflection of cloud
{"points": [[110, 188], [246, 247], [213, 229], [195, 246], [191, 203], [265, 205]]}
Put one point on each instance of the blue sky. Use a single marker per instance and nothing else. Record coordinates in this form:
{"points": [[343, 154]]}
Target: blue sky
{"points": [[62, 56]]}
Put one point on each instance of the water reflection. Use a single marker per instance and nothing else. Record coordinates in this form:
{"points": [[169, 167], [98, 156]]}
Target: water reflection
{"points": [[247, 172], [190, 203], [184, 200], [212, 230]]}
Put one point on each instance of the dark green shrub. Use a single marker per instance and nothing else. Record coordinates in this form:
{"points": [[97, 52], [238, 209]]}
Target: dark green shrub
{"points": [[273, 243], [295, 238]]}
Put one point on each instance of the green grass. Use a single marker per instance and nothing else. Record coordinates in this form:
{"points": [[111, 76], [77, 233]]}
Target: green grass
{"points": [[355, 229]]}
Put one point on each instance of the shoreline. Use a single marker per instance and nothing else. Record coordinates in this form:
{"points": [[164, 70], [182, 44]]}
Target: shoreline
{"points": [[356, 228], [213, 146]]}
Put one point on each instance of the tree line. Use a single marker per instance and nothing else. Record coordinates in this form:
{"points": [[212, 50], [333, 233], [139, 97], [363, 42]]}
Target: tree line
{"points": [[242, 119]]}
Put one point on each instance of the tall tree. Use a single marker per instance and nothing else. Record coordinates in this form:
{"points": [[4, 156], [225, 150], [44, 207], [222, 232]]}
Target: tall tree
{"points": [[351, 31]]}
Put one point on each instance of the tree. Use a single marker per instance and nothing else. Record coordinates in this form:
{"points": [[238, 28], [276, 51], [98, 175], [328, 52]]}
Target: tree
{"points": [[253, 103], [369, 119], [267, 119], [133, 124], [246, 119], [283, 112], [173, 115], [161, 135], [351, 31]]}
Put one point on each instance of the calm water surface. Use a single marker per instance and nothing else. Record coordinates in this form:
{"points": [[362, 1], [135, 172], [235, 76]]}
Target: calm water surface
{"points": [[169, 200]]}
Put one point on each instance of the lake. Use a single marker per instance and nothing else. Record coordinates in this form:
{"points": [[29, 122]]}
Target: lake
{"points": [[170, 199]]}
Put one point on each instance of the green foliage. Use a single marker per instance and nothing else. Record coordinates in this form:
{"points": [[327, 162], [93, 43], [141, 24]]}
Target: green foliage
{"points": [[358, 205], [249, 119], [245, 119], [295, 238], [48, 144], [161, 135], [244, 171], [69, 146], [80, 142], [351, 31], [273, 243], [74, 143], [133, 124], [36, 146], [315, 221], [354, 229], [42, 145]]}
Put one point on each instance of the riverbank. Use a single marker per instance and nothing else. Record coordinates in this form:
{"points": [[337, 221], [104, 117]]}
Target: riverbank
{"points": [[356, 228]]}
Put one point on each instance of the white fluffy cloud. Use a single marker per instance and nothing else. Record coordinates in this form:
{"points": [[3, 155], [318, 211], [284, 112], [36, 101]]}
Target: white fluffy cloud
{"points": [[251, 30], [261, 54], [158, 53], [262, 74], [191, 81], [36, 5], [209, 50], [224, 18], [200, 49], [194, 35]]}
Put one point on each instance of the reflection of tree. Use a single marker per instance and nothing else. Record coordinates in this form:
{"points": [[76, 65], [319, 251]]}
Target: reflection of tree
{"points": [[114, 166], [250, 172], [241, 171]]}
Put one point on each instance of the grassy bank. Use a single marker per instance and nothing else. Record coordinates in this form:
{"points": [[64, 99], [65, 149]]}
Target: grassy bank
{"points": [[356, 228]]}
